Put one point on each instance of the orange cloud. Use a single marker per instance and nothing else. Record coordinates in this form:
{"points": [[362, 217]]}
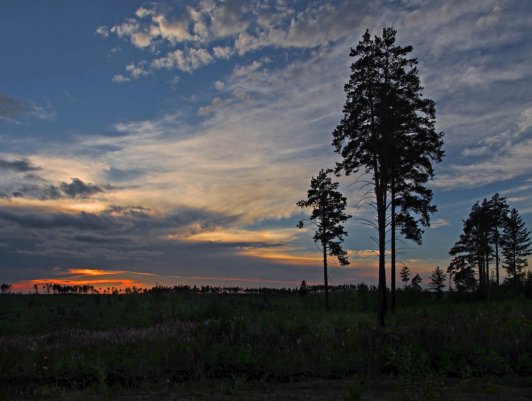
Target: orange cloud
{"points": [[94, 272], [365, 253], [56, 205], [237, 235], [277, 255], [99, 284], [99, 278]]}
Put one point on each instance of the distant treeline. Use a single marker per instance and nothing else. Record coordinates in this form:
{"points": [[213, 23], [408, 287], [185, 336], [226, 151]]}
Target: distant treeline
{"points": [[303, 289]]}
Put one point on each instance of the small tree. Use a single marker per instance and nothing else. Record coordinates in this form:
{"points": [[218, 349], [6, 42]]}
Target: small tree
{"points": [[303, 289], [405, 275], [473, 249], [415, 282], [437, 281], [515, 243], [328, 212], [5, 287]]}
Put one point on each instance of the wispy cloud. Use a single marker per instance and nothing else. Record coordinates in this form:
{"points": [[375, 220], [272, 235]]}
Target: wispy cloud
{"points": [[438, 223], [12, 108]]}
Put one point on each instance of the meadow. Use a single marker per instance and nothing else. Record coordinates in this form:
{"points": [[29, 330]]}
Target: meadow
{"points": [[54, 346]]}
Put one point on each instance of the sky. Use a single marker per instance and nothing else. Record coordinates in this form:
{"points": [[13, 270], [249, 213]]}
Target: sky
{"points": [[168, 142]]}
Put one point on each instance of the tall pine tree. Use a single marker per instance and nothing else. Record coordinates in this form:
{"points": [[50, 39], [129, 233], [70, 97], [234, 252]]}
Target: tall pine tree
{"points": [[388, 132]]}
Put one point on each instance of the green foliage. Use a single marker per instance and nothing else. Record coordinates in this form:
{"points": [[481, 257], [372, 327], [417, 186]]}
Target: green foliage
{"points": [[418, 382], [355, 390], [255, 337]]}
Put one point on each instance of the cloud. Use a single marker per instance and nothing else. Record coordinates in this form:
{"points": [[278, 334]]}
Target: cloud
{"points": [[256, 131], [222, 52], [222, 235], [120, 79], [174, 31], [140, 37], [76, 189], [103, 31], [136, 71], [229, 17], [79, 189], [12, 108], [37, 238], [217, 103], [495, 158], [513, 163], [133, 71], [189, 60], [283, 256], [93, 272], [20, 165], [437, 223], [199, 35]]}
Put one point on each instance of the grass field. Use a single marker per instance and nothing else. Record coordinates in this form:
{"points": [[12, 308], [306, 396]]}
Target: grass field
{"points": [[168, 344]]}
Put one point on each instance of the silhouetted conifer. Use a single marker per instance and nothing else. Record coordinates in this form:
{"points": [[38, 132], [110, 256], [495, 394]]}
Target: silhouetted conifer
{"points": [[415, 283], [328, 212], [437, 281], [499, 213], [405, 275], [388, 132], [515, 243]]}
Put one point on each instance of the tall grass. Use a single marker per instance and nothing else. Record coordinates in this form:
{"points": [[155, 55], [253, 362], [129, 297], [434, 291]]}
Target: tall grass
{"points": [[81, 341]]}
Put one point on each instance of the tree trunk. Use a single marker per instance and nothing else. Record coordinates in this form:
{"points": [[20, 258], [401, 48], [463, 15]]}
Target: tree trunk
{"points": [[497, 255], [392, 239], [381, 217], [325, 279], [481, 279], [487, 274]]}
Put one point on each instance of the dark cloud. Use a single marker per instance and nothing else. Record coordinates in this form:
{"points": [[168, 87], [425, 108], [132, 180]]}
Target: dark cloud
{"points": [[101, 239], [20, 165], [79, 189], [138, 211], [11, 108], [121, 236], [42, 192], [73, 190], [50, 221]]}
